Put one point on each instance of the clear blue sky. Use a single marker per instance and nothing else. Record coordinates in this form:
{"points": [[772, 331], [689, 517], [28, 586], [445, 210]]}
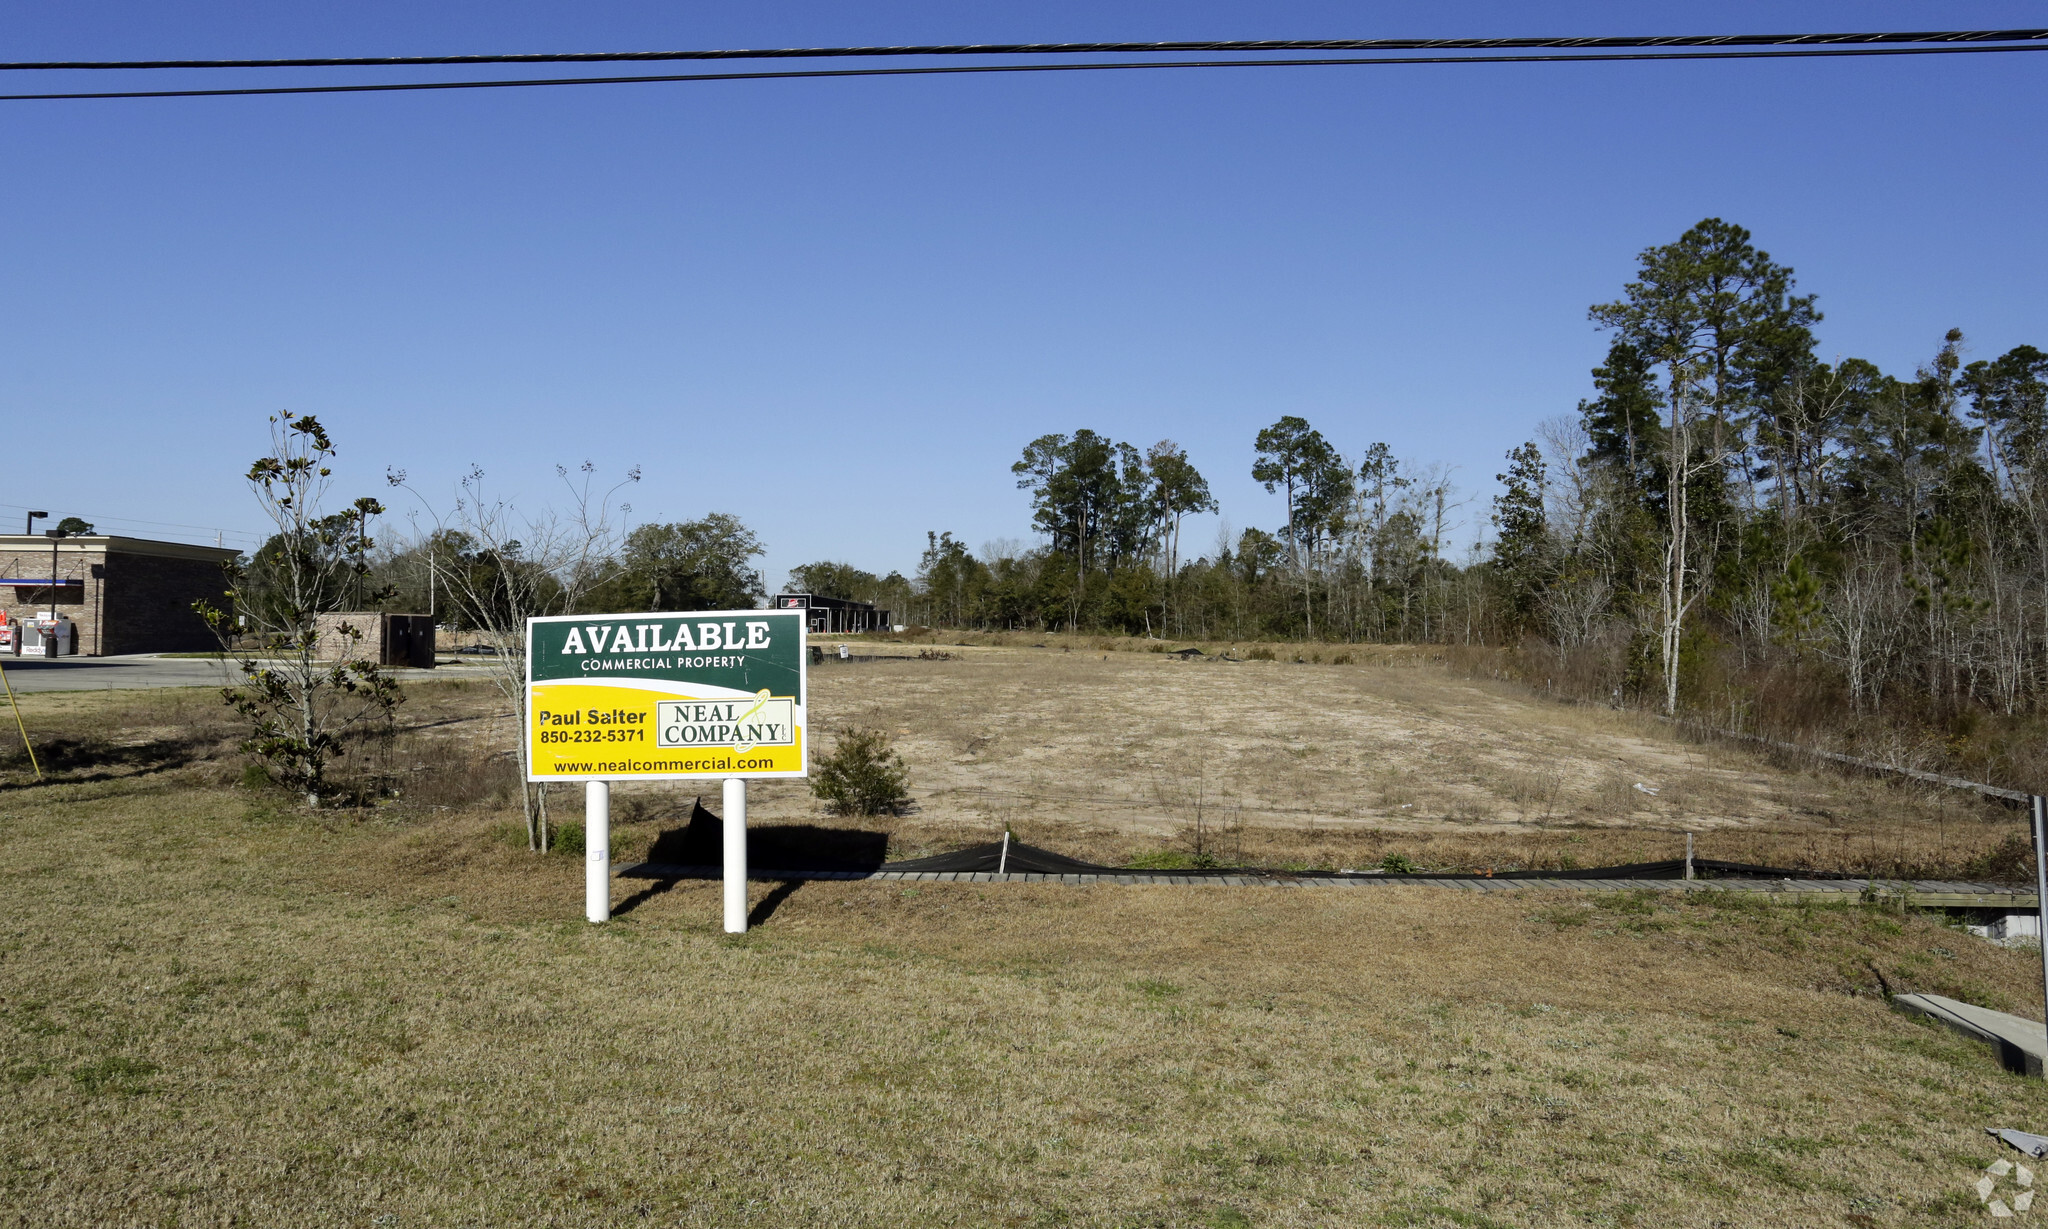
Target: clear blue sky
{"points": [[840, 308]]}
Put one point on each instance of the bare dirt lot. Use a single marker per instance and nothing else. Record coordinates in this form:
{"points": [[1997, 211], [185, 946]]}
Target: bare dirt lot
{"points": [[217, 1007], [1114, 753]]}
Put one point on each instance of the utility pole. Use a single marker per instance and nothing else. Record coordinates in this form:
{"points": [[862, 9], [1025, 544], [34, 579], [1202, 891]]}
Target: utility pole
{"points": [[362, 531], [33, 517], [55, 536]]}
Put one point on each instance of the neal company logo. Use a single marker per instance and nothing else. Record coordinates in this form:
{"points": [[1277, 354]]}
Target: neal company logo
{"points": [[740, 724]]}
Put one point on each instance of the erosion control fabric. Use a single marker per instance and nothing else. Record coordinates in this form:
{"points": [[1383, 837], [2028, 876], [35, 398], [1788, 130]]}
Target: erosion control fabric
{"points": [[813, 848]]}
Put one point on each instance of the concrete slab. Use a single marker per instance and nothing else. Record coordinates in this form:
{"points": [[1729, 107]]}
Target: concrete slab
{"points": [[2022, 1044], [2007, 928]]}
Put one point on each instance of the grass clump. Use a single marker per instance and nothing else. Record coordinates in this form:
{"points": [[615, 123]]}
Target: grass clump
{"points": [[1175, 860], [114, 1073], [863, 775]]}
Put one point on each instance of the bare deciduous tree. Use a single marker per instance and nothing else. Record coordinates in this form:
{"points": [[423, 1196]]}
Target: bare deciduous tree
{"points": [[514, 565], [1573, 610], [1863, 613]]}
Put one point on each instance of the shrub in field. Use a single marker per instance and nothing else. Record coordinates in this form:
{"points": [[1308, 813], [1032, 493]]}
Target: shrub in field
{"points": [[2010, 861], [1398, 864], [862, 776]]}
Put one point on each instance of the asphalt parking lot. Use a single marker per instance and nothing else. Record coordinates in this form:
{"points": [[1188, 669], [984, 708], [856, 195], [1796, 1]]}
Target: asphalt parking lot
{"points": [[115, 673]]}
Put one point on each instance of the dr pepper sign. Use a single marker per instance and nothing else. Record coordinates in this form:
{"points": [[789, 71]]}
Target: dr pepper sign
{"points": [[716, 693]]}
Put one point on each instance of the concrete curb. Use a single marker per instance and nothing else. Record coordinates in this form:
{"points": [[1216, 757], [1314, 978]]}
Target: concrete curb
{"points": [[1925, 893]]}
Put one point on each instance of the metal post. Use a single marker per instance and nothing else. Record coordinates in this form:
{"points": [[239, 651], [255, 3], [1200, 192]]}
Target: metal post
{"points": [[19, 724], [735, 855], [1003, 863], [2040, 807], [597, 851], [1688, 855]]}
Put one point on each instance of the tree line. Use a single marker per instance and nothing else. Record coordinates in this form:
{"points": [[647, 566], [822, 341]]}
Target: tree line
{"points": [[1361, 555], [1731, 523], [1726, 523]]}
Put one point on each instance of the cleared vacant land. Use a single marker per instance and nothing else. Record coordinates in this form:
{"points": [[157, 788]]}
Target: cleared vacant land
{"points": [[1110, 754], [216, 1007]]}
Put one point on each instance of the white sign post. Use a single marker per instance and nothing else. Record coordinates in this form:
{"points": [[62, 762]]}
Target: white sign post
{"points": [[597, 851], [735, 855], [666, 697]]}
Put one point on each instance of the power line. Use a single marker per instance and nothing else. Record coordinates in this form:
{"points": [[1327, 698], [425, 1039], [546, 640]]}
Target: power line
{"points": [[942, 70], [1210, 45], [131, 520]]}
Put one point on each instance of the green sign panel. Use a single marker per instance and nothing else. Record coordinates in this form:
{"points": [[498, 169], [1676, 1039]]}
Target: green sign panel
{"points": [[666, 696]]}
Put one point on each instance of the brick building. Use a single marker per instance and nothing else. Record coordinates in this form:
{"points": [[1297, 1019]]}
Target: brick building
{"points": [[122, 595]]}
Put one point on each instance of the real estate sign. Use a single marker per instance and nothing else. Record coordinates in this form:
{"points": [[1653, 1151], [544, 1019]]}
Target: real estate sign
{"points": [[716, 693]]}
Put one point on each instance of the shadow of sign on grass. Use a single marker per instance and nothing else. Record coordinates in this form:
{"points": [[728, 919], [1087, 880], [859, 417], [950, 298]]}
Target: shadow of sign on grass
{"points": [[792, 847], [76, 761]]}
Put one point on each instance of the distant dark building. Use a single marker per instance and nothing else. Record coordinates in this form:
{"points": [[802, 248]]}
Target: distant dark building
{"points": [[832, 615], [380, 636]]}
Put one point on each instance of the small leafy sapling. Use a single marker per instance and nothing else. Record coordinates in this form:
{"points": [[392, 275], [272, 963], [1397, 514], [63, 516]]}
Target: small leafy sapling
{"points": [[299, 706]]}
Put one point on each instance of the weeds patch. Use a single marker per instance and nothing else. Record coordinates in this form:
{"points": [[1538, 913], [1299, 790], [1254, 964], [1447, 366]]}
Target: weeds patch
{"points": [[114, 1074]]}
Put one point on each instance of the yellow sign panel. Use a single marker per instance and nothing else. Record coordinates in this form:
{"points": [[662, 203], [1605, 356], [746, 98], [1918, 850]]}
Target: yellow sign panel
{"points": [[664, 696]]}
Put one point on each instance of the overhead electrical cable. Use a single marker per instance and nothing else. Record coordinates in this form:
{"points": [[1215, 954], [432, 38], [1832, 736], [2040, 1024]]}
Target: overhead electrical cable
{"points": [[951, 69], [1603, 43], [131, 520]]}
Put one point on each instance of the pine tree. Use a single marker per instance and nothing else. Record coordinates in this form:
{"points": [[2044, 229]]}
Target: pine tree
{"points": [[1521, 552]]}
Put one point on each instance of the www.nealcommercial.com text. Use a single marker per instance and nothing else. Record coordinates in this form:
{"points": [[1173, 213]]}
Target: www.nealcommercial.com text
{"points": [[715, 763]]}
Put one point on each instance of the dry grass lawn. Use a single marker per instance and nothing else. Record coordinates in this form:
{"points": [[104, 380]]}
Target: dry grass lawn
{"points": [[218, 1008]]}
